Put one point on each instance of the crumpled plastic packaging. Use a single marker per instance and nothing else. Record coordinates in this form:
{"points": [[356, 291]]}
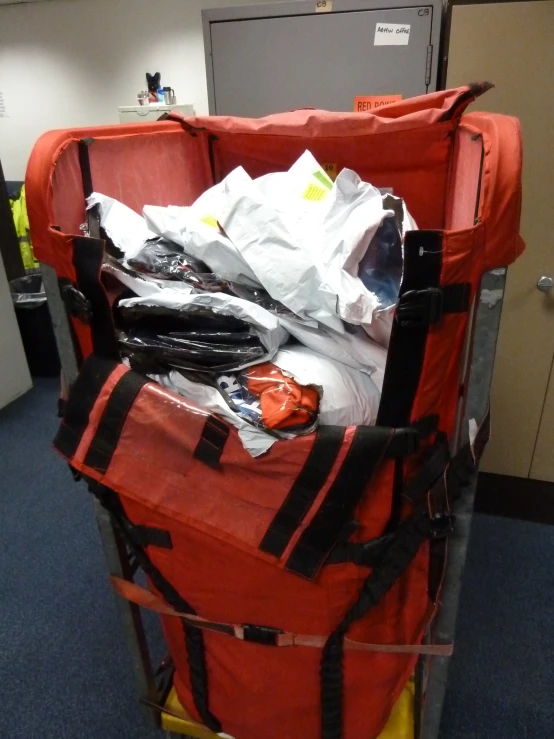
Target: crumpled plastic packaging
{"points": [[165, 260], [223, 284], [279, 260], [381, 267], [268, 398], [348, 397], [317, 234], [197, 231], [256, 441], [141, 285], [227, 314], [353, 348], [126, 228]]}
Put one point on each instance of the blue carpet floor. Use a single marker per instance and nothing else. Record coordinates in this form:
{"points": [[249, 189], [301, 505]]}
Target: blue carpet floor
{"points": [[64, 670]]}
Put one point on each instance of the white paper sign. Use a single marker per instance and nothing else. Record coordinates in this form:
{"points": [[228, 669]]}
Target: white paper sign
{"points": [[392, 34], [3, 111]]}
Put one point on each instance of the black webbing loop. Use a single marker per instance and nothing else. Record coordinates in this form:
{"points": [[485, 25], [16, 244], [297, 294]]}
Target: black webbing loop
{"points": [[88, 256], [150, 536], [422, 270], [335, 513], [82, 397], [212, 442], [92, 214], [433, 464], [364, 553], [394, 562], [84, 163], [194, 638], [310, 481], [435, 524], [396, 497], [418, 308], [114, 415], [406, 440]]}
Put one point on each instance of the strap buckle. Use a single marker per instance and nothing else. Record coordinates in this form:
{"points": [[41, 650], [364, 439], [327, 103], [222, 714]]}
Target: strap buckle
{"points": [[76, 303], [441, 525], [404, 442], [419, 308], [261, 634]]}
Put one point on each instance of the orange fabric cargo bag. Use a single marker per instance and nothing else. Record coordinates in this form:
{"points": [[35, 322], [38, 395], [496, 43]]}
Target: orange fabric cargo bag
{"points": [[294, 588]]}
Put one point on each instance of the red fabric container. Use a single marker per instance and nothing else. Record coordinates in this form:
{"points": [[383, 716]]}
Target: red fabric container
{"points": [[250, 545]]}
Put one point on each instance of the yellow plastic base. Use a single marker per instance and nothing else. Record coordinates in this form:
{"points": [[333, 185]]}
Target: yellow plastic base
{"points": [[400, 724]]}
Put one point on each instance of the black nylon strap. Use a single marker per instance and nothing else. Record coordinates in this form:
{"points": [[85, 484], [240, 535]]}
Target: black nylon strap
{"points": [[194, 638], [456, 297], [312, 478], [396, 497], [88, 256], [212, 442], [433, 464], [422, 269], [368, 554], [394, 561], [106, 439], [84, 163], [93, 215], [418, 308], [82, 397], [149, 536], [366, 451], [393, 564], [365, 553]]}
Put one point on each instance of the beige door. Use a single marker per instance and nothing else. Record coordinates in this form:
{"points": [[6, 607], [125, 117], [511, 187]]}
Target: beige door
{"points": [[511, 44]]}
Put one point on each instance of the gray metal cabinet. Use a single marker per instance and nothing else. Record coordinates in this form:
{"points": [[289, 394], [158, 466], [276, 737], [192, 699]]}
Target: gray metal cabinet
{"points": [[276, 57]]}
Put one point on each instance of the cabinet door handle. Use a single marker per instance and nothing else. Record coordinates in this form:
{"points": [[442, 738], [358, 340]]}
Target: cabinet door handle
{"points": [[545, 284]]}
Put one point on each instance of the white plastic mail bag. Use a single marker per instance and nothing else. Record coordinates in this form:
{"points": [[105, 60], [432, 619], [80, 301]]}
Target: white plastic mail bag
{"points": [[197, 231], [128, 230], [255, 440], [276, 255], [353, 348]]}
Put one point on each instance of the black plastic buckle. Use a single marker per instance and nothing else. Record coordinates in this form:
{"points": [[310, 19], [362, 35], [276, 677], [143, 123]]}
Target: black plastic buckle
{"points": [[76, 303], [261, 634], [441, 525], [404, 441], [419, 308]]}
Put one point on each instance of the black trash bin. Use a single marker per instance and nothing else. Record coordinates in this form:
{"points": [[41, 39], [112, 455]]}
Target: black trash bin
{"points": [[35, 324]]}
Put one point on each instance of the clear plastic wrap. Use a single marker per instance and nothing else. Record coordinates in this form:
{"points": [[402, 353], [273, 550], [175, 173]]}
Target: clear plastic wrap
{"points": [[198, 341], [268, 398], [197, 231], [212, 400], [380, 268], [165, 260], [259, 296], [28, 291], [127, 229], [200, 332], [348, 397]]}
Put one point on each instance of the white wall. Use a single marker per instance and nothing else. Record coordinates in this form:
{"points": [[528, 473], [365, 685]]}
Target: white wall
{"points": [[72, 62]]}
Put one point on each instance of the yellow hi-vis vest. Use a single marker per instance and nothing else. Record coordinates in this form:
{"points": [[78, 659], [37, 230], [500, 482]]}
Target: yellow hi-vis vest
{"points": [[21, 220]]}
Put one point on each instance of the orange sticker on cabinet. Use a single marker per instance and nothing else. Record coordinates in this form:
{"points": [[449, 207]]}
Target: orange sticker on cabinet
{"points": [[363, 103]]}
